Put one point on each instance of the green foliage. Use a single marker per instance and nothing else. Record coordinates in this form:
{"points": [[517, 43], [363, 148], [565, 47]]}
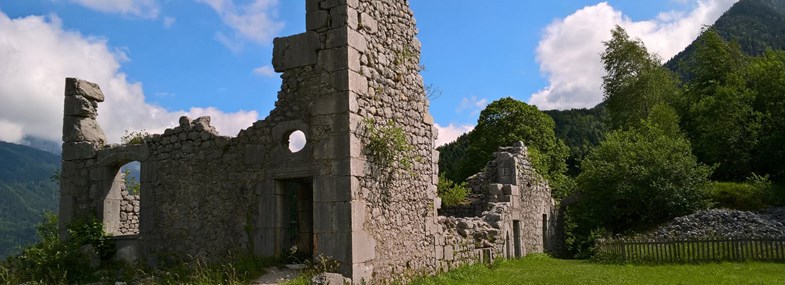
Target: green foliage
{"points": [[451, 156], [388, 144], [506, 121], [451, 193], [580, 130], [56, 261], [132, 184], [635, 80], [757, 25], [639, 178], [134, 137], [541, 269], [757, 193], [27, 190]]}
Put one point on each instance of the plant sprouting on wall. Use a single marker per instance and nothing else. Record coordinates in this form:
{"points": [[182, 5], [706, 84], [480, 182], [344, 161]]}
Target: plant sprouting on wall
{"points": [[388, 145]]}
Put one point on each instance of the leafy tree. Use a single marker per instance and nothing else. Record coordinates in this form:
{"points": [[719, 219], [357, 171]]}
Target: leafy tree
{"points": [[451, 156], [766, 76], [641, 177], [635, 80], [580, 130], [719, 114], [506, 121]]}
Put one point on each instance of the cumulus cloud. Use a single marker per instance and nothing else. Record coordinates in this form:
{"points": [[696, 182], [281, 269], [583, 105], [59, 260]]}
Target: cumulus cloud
{"points": [[139, 8], [569, 51], [472, 104], [37, 54], [450, 133], [254, 21], [266, 71]]}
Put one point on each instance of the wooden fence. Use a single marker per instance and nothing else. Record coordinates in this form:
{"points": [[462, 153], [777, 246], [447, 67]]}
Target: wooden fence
{"points": [[695, 250]]}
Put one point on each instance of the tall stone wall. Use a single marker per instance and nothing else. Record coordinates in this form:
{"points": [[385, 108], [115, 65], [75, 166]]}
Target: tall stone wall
{"points": [[400, 201]]}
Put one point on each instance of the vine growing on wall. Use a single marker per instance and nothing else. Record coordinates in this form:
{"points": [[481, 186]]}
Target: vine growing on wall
{"points": [[388, 144]]}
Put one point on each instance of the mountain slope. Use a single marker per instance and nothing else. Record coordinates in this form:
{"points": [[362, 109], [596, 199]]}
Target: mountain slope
{"points": [[755, 24], [26, 190]]}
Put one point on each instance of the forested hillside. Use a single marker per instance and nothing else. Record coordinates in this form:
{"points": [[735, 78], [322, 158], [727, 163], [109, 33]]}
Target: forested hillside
{"points": [[27, 190], [756, 25]]}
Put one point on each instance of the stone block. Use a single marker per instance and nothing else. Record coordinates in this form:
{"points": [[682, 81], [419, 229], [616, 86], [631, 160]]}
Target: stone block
{"points": [[330, 279], [344, 36], [350, 81], [332, 3], [335, 103], [343, 16], [349, 167], [495, 189], [89, 90], [312, 5], [358, 211], [316, 20], [79, 129], [80, 106], [295, 51], [363, 247], [79, 150], [368, 23], [362, 273], [509, 189], [339, 58], [449, 254]]}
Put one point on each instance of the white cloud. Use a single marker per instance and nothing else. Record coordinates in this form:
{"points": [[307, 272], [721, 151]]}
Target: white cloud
{"points": [[472, 104], [169, 21], [254, 21], [569, 51], [140, 8], [266, 71], [450, 133], [36, 55]]}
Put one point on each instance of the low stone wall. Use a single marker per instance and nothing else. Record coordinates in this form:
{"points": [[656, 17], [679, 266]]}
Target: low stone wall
{"points": [[129, 214]]}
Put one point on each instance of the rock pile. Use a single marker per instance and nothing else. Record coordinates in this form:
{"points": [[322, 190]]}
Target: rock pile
{"points": [[724, 223], [129, 214]]}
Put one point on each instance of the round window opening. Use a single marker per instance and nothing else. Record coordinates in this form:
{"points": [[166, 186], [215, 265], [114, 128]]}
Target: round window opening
{"points": [[296, 141]]}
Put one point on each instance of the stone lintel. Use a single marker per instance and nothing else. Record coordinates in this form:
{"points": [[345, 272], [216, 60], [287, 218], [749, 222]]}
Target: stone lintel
{"points": [[295, 51]]}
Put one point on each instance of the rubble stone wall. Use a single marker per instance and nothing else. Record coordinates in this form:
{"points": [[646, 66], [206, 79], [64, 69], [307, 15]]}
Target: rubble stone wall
{"points": [[351, 84]]}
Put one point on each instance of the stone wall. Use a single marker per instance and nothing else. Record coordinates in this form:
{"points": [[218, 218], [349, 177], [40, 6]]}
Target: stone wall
{"points": [[355, 195], [129, 214]]}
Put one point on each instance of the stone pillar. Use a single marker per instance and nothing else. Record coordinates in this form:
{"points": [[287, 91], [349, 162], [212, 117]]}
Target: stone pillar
{"points": [[82, 138]]}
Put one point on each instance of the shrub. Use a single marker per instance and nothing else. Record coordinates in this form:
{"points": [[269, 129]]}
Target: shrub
{"points": [[56, 261], [452, 194], [754, 194]]}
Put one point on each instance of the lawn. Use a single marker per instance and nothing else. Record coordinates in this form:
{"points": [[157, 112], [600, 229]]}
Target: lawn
{"points": [[541, 269]]}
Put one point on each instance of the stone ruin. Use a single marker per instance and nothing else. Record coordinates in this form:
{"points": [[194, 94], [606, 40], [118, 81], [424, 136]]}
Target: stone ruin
{"points": [[354, 72]]}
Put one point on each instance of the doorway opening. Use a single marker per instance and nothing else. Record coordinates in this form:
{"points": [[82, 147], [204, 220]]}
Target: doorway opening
{"points": [[297, 217]]}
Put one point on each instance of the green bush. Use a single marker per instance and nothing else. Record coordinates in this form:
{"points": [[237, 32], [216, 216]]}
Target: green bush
{"points": [[754, 194], [451, 193], [56, 261]]}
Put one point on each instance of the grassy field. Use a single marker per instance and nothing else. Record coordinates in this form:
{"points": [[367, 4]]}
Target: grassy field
{"points": [[540, 269]]}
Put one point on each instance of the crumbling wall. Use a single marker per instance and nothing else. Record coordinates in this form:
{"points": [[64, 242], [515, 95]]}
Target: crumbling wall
{"points": [[519, 206]]}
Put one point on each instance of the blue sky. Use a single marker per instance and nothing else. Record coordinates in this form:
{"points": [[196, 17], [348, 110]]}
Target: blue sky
{"points": [[159, 59]]}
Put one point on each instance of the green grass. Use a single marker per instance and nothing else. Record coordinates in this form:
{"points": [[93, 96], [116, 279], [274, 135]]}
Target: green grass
{"points": [[541, 269]]}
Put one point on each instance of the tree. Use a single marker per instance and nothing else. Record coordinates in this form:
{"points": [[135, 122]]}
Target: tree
{"points": [[635, 81], [719, 115], [641, 177], [506, 121], [766, 76]]}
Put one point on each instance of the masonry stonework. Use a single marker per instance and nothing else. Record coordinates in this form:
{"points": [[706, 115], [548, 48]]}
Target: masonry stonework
{"points": [[355, 71]]}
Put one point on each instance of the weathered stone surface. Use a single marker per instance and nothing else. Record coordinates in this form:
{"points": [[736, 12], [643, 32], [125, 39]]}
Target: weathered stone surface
{"points": [[295, 51], [79, 129], [80, 106], [91, 91], [330, 279], [79, 150]]}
